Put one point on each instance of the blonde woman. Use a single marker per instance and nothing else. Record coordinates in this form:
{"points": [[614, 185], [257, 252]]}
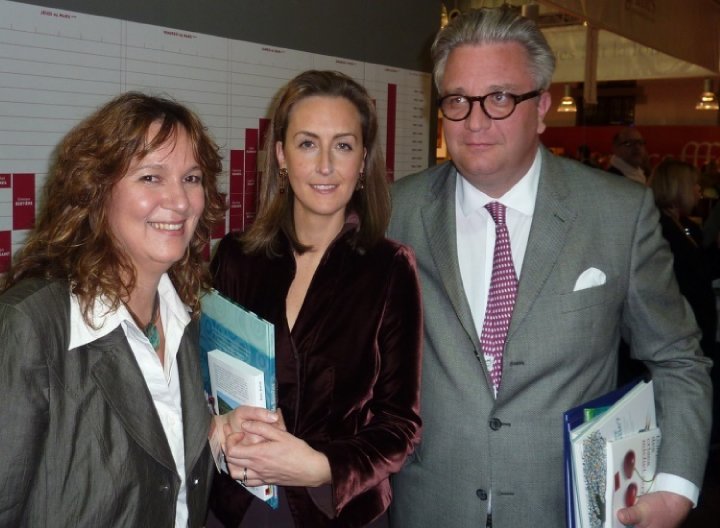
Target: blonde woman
{"points": [[676, 186]]}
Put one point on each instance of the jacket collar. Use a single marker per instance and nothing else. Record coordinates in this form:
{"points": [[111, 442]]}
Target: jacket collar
{"points": [[552, 219], [123, 387], [438, 219]]}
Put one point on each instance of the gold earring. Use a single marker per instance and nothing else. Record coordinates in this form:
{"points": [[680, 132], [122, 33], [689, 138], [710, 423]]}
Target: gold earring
{"points": [[282, 177], [361, 182]]}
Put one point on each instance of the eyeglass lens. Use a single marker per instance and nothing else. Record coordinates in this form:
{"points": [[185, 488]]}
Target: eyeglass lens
{"points": [[495, 105]]}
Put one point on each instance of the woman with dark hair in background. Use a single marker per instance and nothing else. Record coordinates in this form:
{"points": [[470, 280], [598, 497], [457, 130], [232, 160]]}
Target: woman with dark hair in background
{"points": [[346, 307], [104, 421]]}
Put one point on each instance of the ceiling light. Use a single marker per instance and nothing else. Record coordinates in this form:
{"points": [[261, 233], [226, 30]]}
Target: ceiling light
{"points": [[707, 101], [567, 103]]}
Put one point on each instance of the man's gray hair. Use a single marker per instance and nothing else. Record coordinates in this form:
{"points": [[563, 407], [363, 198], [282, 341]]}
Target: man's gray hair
{"points": [[494, 25]]}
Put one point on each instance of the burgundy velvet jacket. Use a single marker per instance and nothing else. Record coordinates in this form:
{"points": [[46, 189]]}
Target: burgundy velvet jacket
{"points": [[348, 374]]}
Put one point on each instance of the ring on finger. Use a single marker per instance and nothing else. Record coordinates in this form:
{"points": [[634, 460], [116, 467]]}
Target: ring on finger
{"points": [[244, 477]]}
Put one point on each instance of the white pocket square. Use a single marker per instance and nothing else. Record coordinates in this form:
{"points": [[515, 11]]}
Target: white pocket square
{"points": [[589, 278]]}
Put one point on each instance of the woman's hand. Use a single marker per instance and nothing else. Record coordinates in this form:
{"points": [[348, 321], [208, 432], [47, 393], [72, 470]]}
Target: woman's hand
{"points": [[233, 422], [278, 458]]}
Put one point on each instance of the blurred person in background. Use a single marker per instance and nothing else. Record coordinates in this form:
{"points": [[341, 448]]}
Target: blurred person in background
{"points": [[629, 158], [675, 185]]}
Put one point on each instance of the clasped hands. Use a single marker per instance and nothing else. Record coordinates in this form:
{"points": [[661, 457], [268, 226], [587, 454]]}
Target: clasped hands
{"points": [[259, 449], [258, 446]]}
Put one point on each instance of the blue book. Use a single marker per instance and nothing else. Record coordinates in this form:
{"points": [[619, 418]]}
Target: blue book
{"points": [[237, 358], [573, 418]]}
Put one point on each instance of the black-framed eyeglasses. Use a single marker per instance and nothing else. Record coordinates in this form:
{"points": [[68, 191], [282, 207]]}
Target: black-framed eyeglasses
{"points": [[495, 105]]}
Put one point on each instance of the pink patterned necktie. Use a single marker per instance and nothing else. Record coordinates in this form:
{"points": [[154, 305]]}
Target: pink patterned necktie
{"points": [[501, 297]]}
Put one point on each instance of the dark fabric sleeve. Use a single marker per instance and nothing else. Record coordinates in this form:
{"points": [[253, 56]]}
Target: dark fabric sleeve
{"points": [[223, 267], [24, 411], [692, 271], [381, 446]]}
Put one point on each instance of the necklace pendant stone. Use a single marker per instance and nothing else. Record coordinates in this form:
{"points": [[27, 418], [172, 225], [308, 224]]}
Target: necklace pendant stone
{"points": [[153, 335]]}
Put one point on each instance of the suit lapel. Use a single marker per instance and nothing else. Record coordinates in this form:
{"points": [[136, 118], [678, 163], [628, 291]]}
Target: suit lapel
{"points": [[552, 220], [439, 223], [196, 415], [122, 384]]}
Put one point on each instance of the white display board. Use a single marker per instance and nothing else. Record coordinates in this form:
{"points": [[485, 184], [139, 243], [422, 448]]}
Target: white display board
{"points": [[57, 66]]}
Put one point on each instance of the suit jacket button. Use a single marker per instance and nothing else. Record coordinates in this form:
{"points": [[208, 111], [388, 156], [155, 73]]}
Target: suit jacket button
{"points": [[164, 488], [481, 493], [495, 424], [195, 482]]}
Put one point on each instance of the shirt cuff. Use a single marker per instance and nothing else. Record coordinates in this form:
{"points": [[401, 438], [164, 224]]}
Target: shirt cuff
{"points": [[679, 485]]}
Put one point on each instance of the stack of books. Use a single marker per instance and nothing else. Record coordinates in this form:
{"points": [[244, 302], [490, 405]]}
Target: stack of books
{"points": [[611, 448], [237, 358]]}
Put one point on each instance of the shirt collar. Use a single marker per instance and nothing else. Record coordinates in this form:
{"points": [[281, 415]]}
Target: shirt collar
{"points": [[105, 320], [627, 169], [520, 197]]}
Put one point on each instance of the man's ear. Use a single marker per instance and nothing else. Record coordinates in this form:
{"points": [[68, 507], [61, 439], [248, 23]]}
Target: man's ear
{"points": [[543, 108]]}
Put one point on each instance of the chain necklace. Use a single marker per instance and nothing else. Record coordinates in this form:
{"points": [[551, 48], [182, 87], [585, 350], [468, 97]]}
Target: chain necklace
{"points": [[683, 229], [150, 330]]}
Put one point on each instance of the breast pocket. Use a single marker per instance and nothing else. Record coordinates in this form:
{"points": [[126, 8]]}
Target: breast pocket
{"points": [[589, 297]]}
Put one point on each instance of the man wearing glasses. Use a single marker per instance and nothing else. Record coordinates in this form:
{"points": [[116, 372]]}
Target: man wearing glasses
{"points": [[531, 267], [629, 155]]}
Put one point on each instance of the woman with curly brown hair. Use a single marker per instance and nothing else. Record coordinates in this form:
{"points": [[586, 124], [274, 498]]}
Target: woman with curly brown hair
{"points": [[104, 422]]}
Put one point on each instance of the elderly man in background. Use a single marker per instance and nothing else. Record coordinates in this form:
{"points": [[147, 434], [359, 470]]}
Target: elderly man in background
{"points": [[629, 157]]}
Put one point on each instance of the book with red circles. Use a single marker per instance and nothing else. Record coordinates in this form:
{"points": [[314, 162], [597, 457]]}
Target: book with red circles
{"points": [[632, 414], [631, 466]]}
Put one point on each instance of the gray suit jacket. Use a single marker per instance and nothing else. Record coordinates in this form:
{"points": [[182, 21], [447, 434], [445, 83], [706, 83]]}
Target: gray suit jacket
{"points": [[80, 442], [561, 349]]}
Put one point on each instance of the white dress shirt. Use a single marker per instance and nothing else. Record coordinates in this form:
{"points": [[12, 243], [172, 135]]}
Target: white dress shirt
{"points": [[630, 172], [476, 234], [475, 245], [163, 381]]}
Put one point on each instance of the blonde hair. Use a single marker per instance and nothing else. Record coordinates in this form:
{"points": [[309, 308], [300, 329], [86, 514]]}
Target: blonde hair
{"points": [[673, 184]]}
